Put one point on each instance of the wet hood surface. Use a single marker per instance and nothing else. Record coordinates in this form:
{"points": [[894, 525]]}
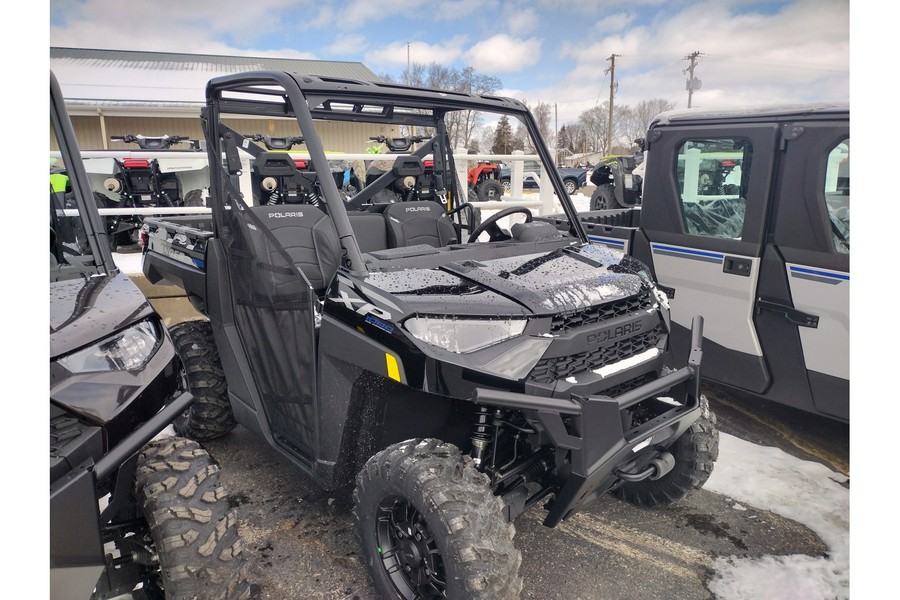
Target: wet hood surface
{"points": [[540, 284], [83, 311]]}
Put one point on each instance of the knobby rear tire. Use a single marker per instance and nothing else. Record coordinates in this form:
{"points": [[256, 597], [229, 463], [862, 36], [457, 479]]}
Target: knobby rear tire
{"points": [[210, 416]]}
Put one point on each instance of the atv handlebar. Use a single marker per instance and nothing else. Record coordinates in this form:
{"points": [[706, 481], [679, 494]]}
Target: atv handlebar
{"points": [[398, 144], [150, 143], [276, 143]]}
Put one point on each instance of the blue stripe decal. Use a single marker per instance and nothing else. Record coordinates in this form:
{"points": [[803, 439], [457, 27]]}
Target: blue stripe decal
{"points": [[691, 252], [611, 241], [826, 274]]}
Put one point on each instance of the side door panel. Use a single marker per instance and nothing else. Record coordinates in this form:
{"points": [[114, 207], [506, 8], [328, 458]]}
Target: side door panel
{"points": [[712, 272], [816, 264]]}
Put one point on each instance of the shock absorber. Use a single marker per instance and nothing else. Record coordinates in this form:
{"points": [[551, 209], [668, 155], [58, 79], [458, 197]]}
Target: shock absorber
{"points": [[483, 435]]}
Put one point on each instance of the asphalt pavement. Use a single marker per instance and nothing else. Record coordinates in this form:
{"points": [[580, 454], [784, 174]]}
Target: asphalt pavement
{"points": [[301, 544]]}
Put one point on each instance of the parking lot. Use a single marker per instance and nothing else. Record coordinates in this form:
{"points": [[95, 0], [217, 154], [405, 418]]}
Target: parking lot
{"points": [[300, 540]]}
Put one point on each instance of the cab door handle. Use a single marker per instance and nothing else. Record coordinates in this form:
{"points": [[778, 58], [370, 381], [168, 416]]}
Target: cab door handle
{"points": [[797, 317], [737, 266]]}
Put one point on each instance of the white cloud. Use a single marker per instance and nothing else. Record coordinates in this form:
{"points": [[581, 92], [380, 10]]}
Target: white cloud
{"points": [[503, 53], [348, 45], [160, 24], [615, 22], [593, 7], [471, 10], [362, 13], [798, 54], [791, 51], [419, 52], [521, 21]]}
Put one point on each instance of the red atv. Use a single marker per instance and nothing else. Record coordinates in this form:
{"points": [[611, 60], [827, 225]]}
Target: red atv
{"points": [[484, 179]]}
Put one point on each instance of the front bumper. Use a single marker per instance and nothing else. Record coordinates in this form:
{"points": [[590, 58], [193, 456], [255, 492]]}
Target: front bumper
{"points": [[593, 430], [76, 526]]}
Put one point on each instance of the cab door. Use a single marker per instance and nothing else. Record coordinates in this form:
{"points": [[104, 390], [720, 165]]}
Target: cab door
{"points": [[706, 200], [811, 233]]}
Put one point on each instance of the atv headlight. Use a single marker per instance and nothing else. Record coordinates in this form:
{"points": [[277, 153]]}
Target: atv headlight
{"points": [[463, 335], [125, 351]]}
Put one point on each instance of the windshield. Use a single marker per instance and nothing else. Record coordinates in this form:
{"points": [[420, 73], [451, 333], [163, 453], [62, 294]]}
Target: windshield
{"points": [[375, 145]]}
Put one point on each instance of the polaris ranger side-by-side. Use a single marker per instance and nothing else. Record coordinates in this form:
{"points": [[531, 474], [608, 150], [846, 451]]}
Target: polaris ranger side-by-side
{"points": [[452, 376], [745, 218], [132, 513]]}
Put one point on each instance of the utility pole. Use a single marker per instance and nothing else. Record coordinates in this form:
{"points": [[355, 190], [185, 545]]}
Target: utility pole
{"points": [[556, 134], [612, 88], [407, 64], [692, 84]]}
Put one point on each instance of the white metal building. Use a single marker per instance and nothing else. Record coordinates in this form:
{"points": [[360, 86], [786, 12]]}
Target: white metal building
{"points": [[116, 92]]}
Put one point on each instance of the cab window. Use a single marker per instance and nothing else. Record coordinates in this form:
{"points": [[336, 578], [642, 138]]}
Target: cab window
{"points": [[712, 179], [837, 195]]}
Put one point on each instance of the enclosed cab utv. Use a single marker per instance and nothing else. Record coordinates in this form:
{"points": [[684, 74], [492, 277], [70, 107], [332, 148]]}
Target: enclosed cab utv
{"points": [[745, 217], [452, 376], [131, 511]]}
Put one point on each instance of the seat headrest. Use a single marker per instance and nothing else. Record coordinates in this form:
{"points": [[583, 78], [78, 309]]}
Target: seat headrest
{"points": [[275, 164]]}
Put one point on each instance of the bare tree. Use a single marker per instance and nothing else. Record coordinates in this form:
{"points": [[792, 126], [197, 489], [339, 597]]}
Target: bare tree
{"points": [[521, 139], [642, 115], [578, 137], [594, 123], [461, 125], [485, 137], [623, 115], [543, 114]]}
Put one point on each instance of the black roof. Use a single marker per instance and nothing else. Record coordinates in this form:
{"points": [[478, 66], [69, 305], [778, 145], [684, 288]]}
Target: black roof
{"points": [[321, 90], [754, 114]]}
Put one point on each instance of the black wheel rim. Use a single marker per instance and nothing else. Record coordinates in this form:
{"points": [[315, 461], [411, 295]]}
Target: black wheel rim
{"points": [[409, 552]]}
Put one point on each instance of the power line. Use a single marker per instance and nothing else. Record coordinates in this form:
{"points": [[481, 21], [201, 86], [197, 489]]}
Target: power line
{"points": [[790, 65]]}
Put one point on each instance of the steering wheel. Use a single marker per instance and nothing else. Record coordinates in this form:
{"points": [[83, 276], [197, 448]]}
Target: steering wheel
{"points": [[490, 224]]}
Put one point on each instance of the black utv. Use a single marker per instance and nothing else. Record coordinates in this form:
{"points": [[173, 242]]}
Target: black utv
{"points": [[618, 180], [134, 511], [452, 376]]}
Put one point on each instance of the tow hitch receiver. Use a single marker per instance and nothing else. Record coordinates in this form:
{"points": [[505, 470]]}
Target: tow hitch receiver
{"points": [[657, 469]]}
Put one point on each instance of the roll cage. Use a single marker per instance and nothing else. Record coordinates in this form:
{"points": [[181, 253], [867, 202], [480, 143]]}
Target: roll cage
{"points": [[307, 98]]}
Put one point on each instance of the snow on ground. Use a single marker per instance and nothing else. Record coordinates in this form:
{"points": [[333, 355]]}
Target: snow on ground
{"points": [[804, 491], [766, 478], [129, 263]]}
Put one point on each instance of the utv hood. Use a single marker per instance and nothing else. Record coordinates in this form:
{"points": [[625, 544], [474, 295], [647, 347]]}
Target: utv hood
{"points": [[542, 284], [86, 310]]}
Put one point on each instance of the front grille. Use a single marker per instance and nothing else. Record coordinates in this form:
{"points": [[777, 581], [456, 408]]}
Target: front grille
{"points": [[63, 429], [578, 318], [617, 390], [549, 370]]}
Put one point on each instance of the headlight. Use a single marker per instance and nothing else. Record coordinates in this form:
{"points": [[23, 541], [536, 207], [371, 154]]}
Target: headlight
{"points": [[463, 335], [125, 351]]}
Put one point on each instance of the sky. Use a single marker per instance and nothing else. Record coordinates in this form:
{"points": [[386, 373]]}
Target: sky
{"points": [[552, 51]]}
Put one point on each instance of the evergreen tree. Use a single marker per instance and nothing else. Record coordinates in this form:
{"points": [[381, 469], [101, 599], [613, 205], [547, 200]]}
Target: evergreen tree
{"points": [[564, 141], [503, 137]]}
